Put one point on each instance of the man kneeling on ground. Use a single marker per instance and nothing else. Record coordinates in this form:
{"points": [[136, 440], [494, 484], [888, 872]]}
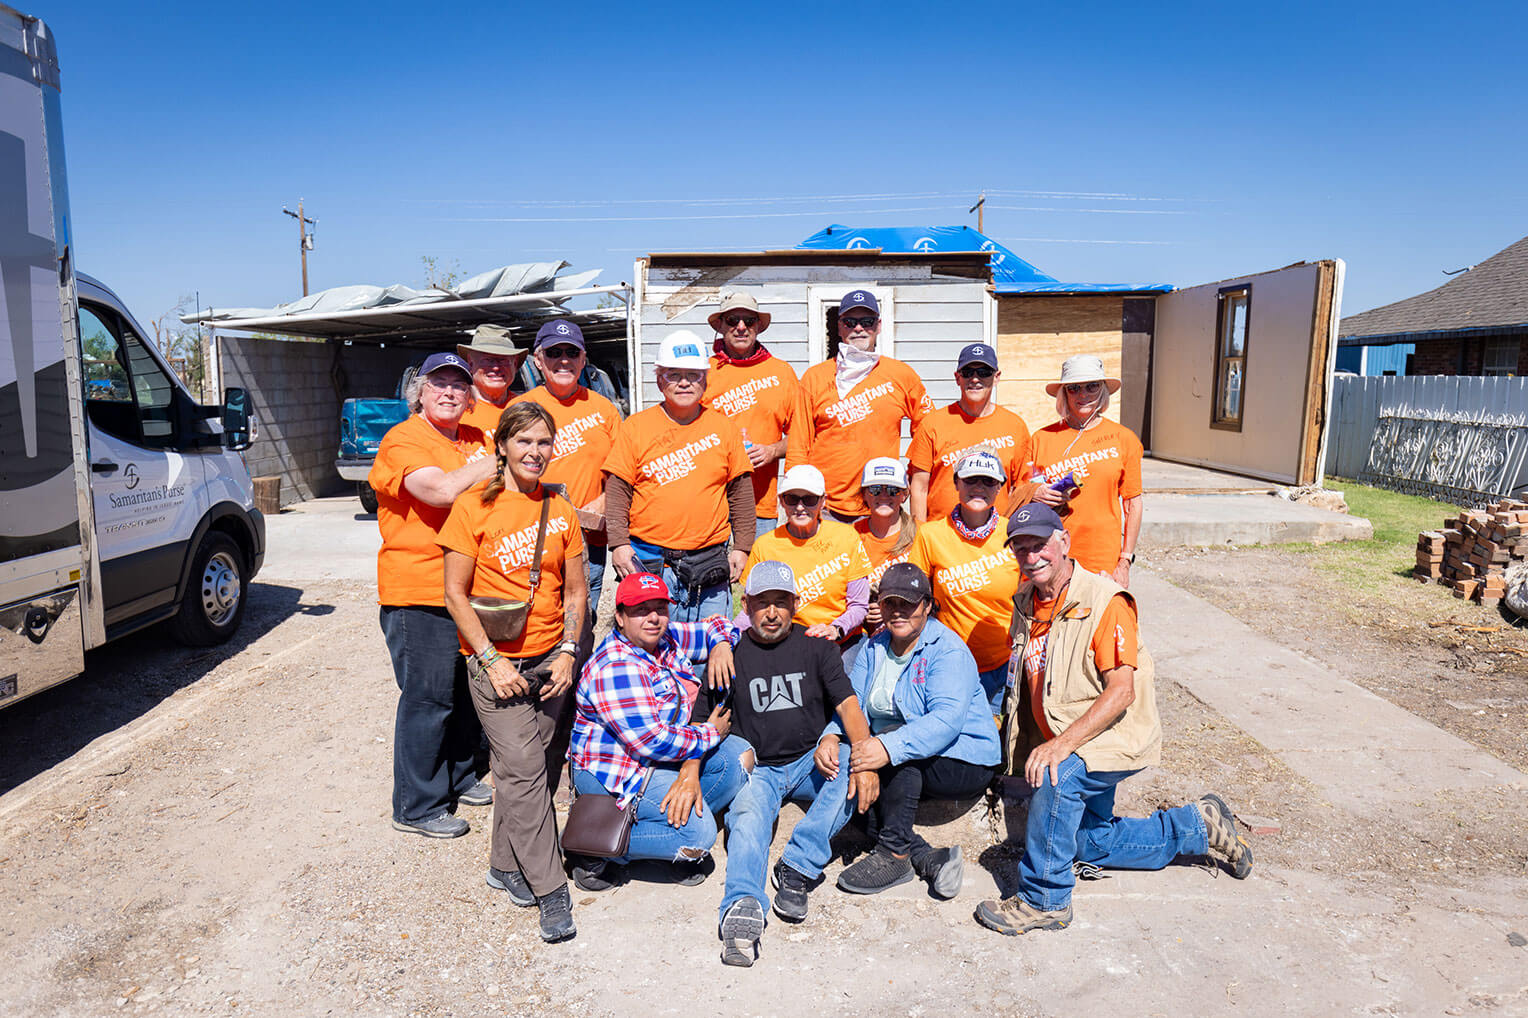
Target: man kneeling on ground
{"points": [[786, 688], [1085, 702]]}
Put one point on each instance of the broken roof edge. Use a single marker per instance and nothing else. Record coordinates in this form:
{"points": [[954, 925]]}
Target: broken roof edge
{"points": [[1081, 289], [809, 256]]}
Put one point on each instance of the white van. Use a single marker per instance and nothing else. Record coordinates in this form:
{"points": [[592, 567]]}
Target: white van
{"points": [[123, 502]]}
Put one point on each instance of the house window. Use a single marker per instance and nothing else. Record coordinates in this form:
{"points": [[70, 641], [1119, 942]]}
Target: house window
{"points": [[1500, 357], [1231, 357]]}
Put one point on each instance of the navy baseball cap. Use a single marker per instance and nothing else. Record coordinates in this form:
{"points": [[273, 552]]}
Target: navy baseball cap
{"points": [[977, 353], [436, 361], [552, 333], [1034, 520], [860, 299], [906, 581]]}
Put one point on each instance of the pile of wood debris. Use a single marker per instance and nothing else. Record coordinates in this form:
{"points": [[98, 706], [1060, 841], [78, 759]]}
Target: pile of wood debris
{"points": [[1472, 551]]}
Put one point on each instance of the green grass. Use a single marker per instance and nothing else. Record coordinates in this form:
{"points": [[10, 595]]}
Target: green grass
{"points": [[1376, 566]]}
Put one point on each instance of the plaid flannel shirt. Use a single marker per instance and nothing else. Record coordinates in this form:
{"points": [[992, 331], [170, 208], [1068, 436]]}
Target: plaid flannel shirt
{"points": [[630, 705]]}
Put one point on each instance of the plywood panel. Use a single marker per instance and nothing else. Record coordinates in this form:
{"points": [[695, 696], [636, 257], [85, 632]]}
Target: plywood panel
{"points": [[1036, 334]]}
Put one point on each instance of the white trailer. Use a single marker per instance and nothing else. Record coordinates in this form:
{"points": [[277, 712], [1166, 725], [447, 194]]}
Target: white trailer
{"points": [[123, 502]]}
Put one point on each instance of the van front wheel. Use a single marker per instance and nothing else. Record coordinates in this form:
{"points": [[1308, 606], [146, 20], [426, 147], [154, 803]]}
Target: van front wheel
{"points": [[213, 603], [368, 496]]}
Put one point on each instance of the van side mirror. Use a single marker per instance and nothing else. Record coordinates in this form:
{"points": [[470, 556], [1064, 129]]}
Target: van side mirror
{"points": [[236, 432]]}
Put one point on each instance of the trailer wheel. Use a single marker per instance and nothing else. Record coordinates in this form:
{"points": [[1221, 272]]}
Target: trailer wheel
{"points": [[213, 603], [368, 496]]}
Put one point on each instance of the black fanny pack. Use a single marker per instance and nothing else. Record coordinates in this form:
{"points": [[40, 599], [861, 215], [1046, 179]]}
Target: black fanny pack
{"points": [[700, 569]]}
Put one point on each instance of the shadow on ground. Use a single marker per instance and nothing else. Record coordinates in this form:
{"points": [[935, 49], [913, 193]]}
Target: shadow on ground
{"points": [[125, 680]]}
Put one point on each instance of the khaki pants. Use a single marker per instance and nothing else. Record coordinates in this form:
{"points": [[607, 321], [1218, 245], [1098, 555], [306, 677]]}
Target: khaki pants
{"points": [[522, 740]]}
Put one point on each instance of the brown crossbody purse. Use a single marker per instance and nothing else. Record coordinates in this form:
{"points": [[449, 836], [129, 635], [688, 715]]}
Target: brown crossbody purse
{"points": [[503, 620]]}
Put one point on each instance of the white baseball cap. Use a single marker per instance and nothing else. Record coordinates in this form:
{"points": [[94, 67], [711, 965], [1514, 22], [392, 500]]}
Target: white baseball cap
{"points": [[683, 349], [884, 470], [981, 463], [806, 478]]}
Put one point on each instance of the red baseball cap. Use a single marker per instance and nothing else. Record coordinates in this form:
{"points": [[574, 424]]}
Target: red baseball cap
{"points": [[639, 587]]}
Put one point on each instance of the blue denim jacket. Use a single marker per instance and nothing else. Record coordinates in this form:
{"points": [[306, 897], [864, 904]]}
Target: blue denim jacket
{"points": [[939, 695]]}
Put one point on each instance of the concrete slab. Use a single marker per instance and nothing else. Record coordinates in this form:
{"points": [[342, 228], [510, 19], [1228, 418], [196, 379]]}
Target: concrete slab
{"points": [[1163, 476], [1206, 520], [1365, 754]]}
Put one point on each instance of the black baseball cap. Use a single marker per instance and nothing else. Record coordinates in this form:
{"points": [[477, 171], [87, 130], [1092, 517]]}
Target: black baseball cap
{"points": [[906, 581]]}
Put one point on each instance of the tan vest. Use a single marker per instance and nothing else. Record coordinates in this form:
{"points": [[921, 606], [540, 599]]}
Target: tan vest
{"points": [[1073, 682]]}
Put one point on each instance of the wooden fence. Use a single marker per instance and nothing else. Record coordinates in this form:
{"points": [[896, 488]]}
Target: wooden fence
{"points": [[1462, 439]]}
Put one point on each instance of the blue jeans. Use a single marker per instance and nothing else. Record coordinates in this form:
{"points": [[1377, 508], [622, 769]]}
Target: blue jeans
{"points": [[1074, 821], [721, 775], [594, 567], [764, 526], [995, 683], [751, 820], [436, 731]]}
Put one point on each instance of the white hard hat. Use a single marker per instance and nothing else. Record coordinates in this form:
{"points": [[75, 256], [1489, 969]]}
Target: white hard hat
{"points": [[682, 349]]}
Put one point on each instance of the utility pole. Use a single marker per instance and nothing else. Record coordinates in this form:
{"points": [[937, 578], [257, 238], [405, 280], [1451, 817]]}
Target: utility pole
{"points": [[977, 208], [304, 239]]}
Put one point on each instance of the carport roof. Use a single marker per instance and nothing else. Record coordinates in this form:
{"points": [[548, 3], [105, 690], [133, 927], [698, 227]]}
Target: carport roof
{"points": [[519, 297]]}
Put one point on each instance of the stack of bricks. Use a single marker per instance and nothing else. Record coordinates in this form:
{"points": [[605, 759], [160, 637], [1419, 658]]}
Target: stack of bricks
{"points": [[1471, 553]]}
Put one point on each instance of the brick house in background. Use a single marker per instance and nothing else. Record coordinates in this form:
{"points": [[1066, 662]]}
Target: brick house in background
{"points": [[1475, 324]]}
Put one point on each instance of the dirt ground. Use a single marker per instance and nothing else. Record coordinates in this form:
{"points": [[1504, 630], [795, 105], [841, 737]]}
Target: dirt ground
{"points": [[207, 834]]}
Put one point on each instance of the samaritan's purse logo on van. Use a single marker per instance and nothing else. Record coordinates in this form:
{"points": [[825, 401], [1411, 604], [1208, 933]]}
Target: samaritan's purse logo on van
{"points": [[131, 476]]}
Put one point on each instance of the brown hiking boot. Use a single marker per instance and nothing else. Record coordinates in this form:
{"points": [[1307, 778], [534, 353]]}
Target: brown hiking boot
{"points": [[1227, 843], [1014, 916]]}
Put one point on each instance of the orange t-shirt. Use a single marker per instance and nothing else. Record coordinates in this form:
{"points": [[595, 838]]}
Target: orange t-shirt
{"points": [[824, 564], [838, 435], [760, 399], [949, 434], [1105, 460], [501, 539], [973, 582], [484, 416], [879, 549], [586, 427], [1115, 643], [680, 474], [409, 570]]}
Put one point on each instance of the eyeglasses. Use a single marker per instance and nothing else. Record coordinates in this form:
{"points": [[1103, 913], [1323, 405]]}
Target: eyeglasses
{"points": [[795, 498], [976, 371], [561, 351], [858, 321], [451, 386], [733, 321], [882, 490], [981, 482], [1088, 387], [675, 376]]}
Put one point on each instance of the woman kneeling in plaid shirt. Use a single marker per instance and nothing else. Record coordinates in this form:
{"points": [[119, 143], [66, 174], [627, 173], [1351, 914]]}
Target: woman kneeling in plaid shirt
{"points": [[633, 700]]}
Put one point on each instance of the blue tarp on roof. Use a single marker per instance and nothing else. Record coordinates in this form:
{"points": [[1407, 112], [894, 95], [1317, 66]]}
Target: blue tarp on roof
{"points": [[1010, 273]]}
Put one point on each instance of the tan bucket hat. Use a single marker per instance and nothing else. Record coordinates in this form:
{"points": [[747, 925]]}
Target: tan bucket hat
{"points": [[1082, 367], [739, 302], [494, 339]]}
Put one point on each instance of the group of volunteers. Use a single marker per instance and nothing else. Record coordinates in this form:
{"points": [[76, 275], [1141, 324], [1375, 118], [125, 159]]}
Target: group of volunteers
{"points": [[906, 632]]}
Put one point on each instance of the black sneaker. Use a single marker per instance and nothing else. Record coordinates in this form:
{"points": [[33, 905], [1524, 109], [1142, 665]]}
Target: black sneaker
{"points": [[480, 794], [877, 872], [556, 915], [592, 874], [741, 928], [791, 888], [689, 872], [514, 884], [944, 870], [441, 825]]}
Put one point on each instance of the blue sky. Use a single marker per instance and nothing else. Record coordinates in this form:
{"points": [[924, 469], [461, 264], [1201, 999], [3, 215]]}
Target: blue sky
{"points": [[1118, 142]]}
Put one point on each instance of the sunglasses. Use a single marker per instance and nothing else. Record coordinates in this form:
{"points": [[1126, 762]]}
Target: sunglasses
{"points": [[976, 371], [1088, 387], [981, 482], [858, 321], [882, 490], [796, 498], [558, 353], [733, 321]]}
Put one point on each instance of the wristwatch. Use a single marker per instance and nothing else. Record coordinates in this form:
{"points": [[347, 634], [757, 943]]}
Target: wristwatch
{"points": [[1128, 556], [568, 647]]}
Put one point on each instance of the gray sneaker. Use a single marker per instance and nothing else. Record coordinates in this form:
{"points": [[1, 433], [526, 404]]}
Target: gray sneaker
{"points": [[513, 883], [556, 915], [877, 872], [944, 870], [441, 825], [480, 794], [1227, 843], [741, 928]]}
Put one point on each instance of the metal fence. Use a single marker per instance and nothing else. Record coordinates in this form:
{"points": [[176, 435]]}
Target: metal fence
{"points": [[1462, 439]]}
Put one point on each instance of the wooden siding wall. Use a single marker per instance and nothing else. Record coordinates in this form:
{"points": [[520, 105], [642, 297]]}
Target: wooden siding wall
{"points": [[932, 317], [1035, 334]]}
